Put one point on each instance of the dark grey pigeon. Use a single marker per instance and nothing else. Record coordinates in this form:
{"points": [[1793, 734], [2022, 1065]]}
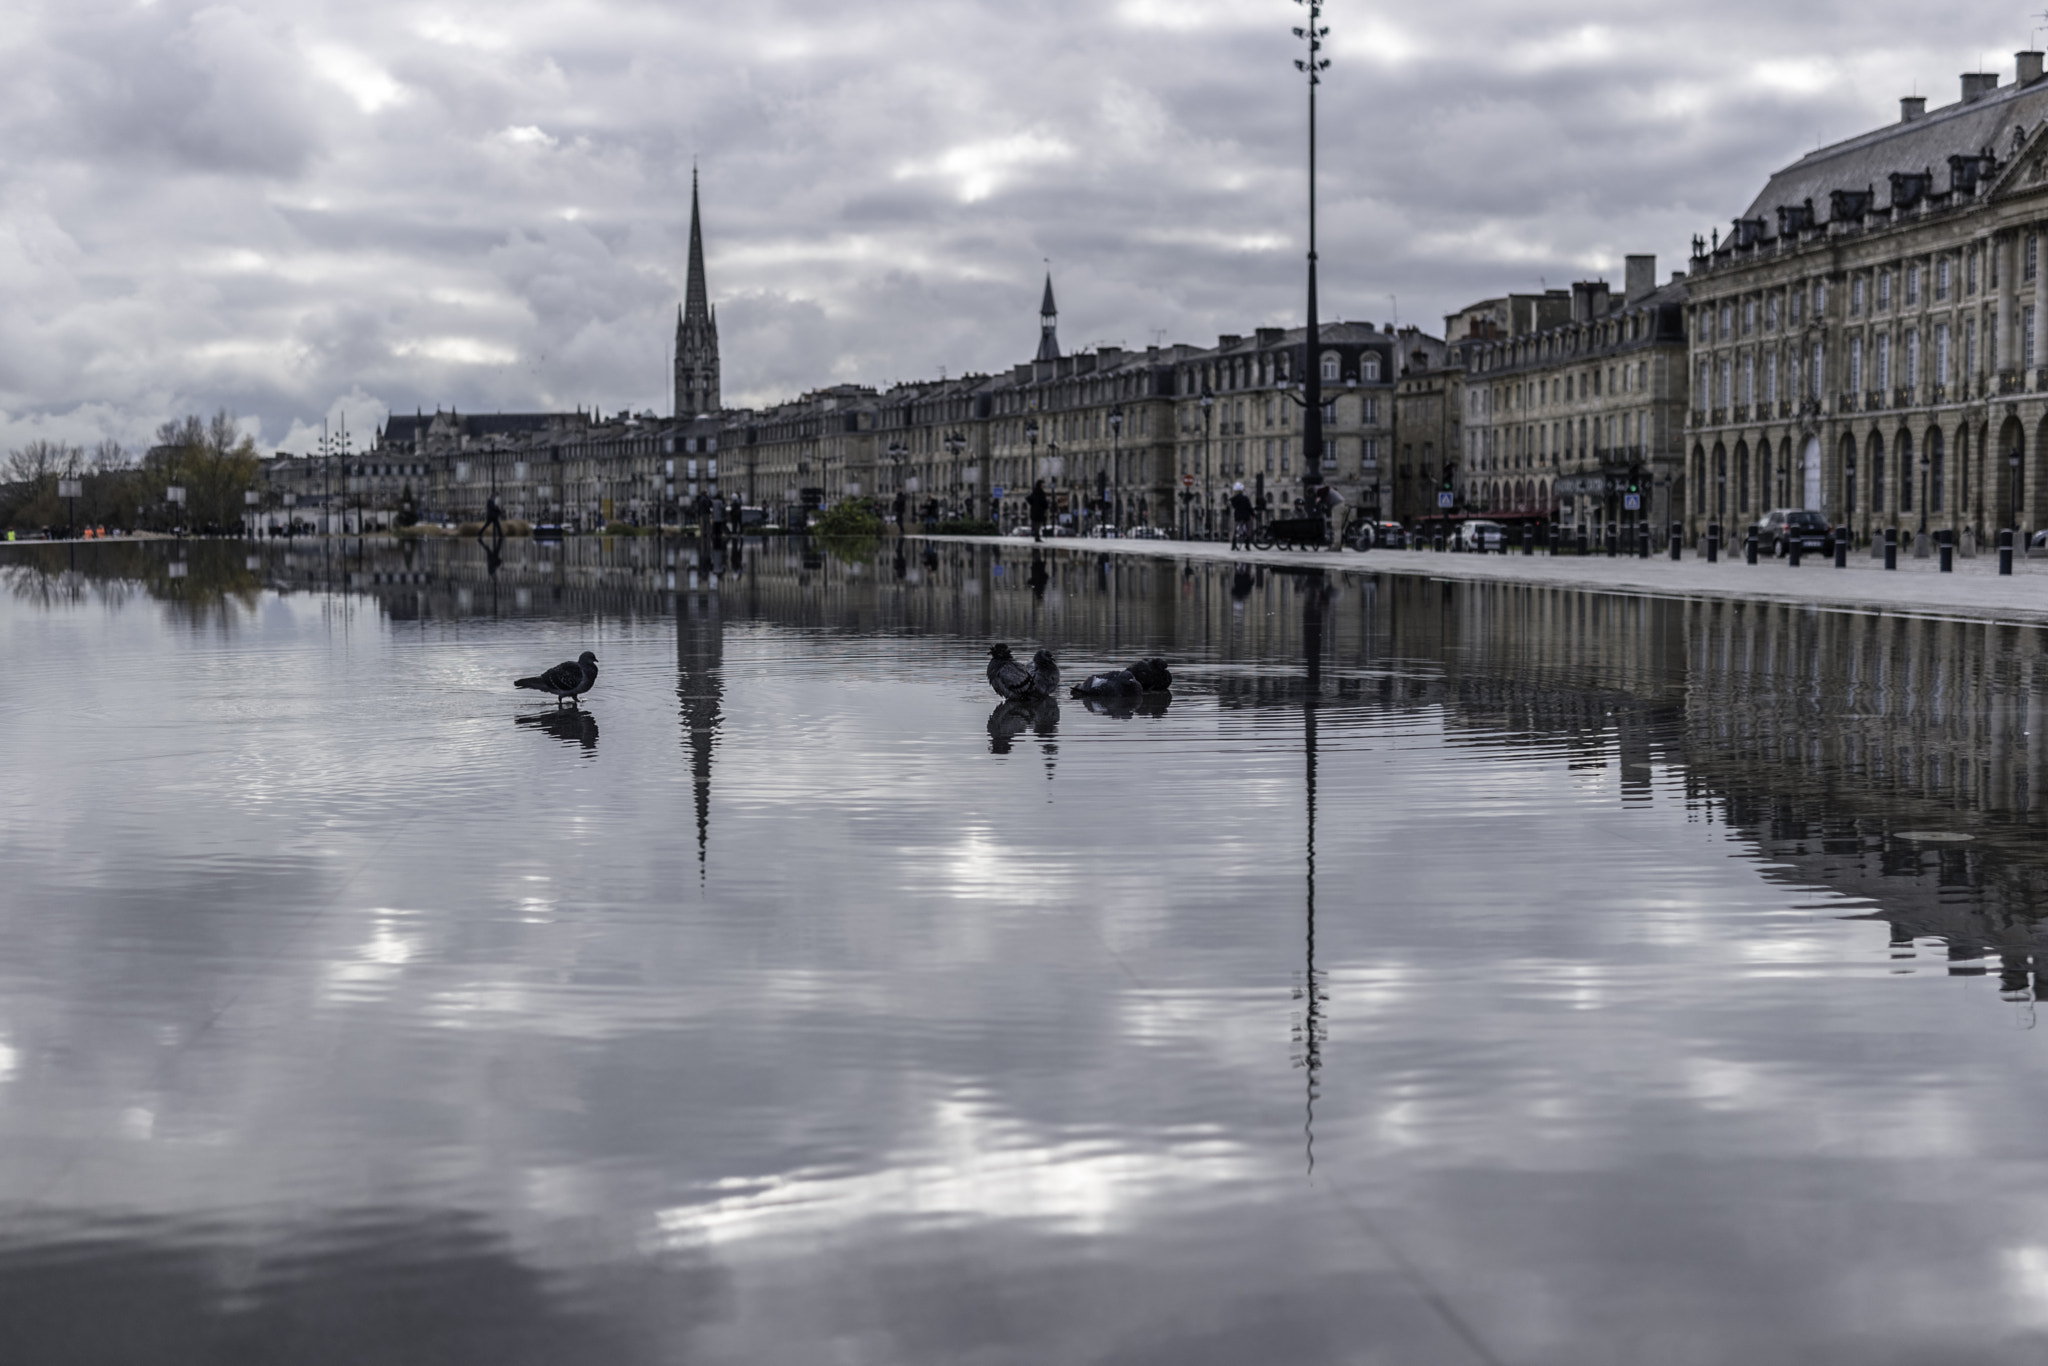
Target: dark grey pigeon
{"points": [[569, 680], [1152, 674], [1116, 683], [1010, 679], [1045, 674]]}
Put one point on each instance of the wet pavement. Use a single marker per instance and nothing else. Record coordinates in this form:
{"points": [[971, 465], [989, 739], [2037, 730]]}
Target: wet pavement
{"points": [[1446, 972], [1972, 587]]}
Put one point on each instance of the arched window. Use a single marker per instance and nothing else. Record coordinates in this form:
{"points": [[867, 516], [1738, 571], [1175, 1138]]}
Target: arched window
{"points": [[1764, 487], [1905, 471], [1742, 476], [1329, 365], [1371, 367], [1720, 480], [1937, 468], [1849, 472], [1873, 451]]}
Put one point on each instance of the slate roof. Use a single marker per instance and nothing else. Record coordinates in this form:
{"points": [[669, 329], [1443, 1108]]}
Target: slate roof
{"points": [[404, 427], [1965, 128]]}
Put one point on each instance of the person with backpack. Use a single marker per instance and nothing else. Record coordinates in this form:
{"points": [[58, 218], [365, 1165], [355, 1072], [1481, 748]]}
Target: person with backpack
{"points": [[1240, 517]]}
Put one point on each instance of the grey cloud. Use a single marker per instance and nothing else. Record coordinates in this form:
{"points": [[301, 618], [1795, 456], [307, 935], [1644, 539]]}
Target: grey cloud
{"points": [[202, 207]]}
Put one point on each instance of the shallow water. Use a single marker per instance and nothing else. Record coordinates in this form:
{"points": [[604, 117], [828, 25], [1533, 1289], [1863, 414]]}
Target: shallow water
{"points": [[1445, 974]]}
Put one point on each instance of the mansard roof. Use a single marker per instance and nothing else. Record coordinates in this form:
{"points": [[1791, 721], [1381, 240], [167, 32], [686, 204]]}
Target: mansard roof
{"points": [[1996, 122], [409, 427]]}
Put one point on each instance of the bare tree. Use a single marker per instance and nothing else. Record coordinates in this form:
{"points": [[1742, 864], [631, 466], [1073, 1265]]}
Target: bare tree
{"points": [[109, 455]]}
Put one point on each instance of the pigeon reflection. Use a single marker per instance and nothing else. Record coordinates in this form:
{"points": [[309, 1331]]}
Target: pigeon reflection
{"points": [[1039, 715], [570, 726]]}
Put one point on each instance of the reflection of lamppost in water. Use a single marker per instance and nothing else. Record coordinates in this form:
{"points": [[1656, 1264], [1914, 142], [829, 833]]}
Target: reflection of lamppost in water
{"points": [[1311, 1031]]}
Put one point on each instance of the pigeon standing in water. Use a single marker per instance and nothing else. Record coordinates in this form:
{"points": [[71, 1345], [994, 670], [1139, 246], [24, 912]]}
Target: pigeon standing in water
{"points": [[569, 680], [1010, 679], [1045, 674]]}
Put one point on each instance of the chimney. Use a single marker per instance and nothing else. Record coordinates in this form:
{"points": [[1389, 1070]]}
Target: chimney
{"points": [[1913, 106], [1639, 275], [2029, 64], [1978, 84]]}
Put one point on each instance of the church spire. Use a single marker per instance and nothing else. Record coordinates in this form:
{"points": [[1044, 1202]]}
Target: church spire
{"points": [[696, 376], [1048, 320], [696, 298]]}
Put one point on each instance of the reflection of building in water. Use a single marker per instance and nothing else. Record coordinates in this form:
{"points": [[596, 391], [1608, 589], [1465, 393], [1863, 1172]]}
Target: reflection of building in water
{"points": [[1819, 737]]}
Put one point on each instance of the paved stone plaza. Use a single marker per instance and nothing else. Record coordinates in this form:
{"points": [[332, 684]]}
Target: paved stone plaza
{"points": [[1974, 589]]}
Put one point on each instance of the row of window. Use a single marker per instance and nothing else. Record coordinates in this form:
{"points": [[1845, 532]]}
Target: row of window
{"points": [[1938, 279], [1753, 377], [1531, 444], [1632, 377], [1567, 342]]}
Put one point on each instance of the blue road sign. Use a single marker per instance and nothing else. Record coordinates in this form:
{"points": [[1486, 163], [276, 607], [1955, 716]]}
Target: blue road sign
{"points": [[996, 492], [1633, 502], [1444, 500]]}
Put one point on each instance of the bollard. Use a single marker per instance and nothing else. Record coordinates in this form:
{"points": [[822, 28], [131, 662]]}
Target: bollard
{"points": [[1438, 544], [1613, 541], [1643, 540], [1582, 541], [1713, 542], [1842, 536], [1947, 548], [2005, 551], [1891, 547], [1528, 539], [1677, 540], [1793, 545], [1749, 547]]}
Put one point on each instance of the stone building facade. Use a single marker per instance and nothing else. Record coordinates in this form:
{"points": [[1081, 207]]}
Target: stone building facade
{"points": [[1576, 418], [1871, 338]]}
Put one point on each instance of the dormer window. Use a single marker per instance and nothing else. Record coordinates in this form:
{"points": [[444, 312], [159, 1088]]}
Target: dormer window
{"points": [[1330, 366], [1370, 369]]}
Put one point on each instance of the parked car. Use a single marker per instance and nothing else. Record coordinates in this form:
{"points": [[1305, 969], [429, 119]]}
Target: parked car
{"points": [[1778, 528], [1149, 533], [1479, 535]]}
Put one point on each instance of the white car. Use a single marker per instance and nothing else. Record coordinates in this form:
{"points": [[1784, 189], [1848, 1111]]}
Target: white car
{"points": [[1478, 535]]}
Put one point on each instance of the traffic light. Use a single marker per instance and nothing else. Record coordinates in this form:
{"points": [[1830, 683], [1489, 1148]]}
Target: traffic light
{"points": [[1448, 469]]}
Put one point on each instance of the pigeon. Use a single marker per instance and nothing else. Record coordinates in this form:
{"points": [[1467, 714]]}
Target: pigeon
{"points": [[1115, 683], [1152, 674], [568, 680], [1011, 680], [1045, 675]]}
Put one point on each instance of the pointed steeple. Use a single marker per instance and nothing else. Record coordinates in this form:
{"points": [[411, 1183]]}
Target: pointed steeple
{"points": [[696, 358], [1048, 320], [696, 298]]}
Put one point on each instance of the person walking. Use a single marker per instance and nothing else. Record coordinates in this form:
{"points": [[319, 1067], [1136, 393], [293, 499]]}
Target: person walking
{"points": [[492, 523], [1339, 513], [1036, 504], [1240, 517], [902, 511]]}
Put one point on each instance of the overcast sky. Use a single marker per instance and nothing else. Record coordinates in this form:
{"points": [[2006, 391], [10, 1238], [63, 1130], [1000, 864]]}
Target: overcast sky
{"points": [[296, 210]]}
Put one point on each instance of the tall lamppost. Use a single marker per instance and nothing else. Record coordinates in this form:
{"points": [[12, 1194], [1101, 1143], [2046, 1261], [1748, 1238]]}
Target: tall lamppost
{"points": [[1920, 539], [896, 452], [1313, 67], [1208, 402], [2012, 460], [955, 443], [1116, 457], [1052, 461]]}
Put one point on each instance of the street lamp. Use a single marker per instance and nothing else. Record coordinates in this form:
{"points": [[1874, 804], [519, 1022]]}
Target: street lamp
{"points": [[955, 443], [1313, 65], [1031, 441], [2013, 485], [1208, 402], [1920, 539], [1116, 454]]}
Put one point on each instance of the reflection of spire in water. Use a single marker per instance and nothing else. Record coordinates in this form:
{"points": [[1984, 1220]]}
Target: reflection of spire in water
{"points": [[700, 662]]}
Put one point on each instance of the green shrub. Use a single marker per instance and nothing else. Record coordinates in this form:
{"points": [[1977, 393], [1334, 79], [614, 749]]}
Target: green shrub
{"points": [[856, 517]]}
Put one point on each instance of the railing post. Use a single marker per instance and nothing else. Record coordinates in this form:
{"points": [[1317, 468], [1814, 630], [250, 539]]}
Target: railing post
{"points": [[1677, 539], [1713, 542], [2005, 550], [1948, 550], [1891, 547]]}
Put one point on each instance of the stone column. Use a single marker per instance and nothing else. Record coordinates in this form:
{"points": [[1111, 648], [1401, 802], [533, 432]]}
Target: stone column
{"points": [[2040, 299], [2008, 292]]}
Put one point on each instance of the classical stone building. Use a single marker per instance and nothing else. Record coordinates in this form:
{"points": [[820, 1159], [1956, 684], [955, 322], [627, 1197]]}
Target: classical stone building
{"points": [[1871, 338], [1576, 417], [1427, 430]]}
